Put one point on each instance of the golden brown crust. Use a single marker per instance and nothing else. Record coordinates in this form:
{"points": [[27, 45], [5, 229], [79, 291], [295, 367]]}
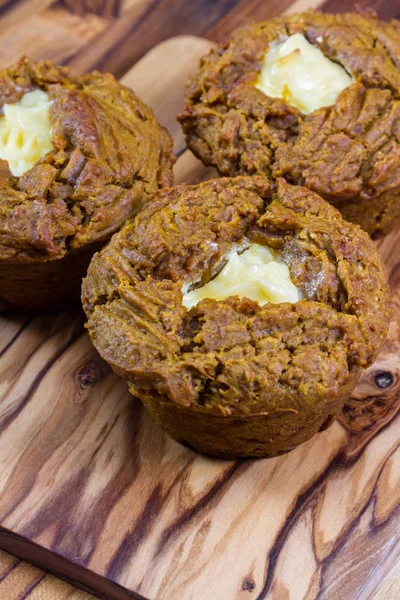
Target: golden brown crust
{"points": [[348, 153], [233, 359], [109, 155]]}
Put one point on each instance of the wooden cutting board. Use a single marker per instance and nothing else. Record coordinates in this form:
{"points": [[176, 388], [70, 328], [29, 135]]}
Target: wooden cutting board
{"points": [[93, 491]]}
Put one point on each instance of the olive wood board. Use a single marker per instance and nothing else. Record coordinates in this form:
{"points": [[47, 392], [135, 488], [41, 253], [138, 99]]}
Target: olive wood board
{"points": [[94, 492]]}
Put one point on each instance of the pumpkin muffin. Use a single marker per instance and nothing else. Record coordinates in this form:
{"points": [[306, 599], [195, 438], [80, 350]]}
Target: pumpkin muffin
{"points": [[79, 155], [311, 97], [240, 311]]}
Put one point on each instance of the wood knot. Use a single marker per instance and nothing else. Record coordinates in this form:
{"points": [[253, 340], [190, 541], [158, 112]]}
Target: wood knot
{"points": [[384, 379], [376, 396], [248, 584], [88, 375]]}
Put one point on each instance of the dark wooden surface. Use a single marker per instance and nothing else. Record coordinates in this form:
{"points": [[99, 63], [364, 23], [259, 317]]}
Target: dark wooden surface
{"points": [[112, 35]]}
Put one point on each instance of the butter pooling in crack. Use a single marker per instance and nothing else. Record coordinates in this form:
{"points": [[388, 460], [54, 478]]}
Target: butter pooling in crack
{"points": [[255, 274], [25, 131], [299, 73]]}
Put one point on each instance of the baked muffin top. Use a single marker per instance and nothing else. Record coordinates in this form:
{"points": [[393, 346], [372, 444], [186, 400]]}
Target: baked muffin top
{"points": [[348, 149], [227, 355], [107, 154]]}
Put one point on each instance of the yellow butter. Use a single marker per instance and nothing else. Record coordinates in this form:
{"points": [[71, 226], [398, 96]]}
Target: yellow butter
{"points": [[298, 72], [25, 131], [255, 274]]}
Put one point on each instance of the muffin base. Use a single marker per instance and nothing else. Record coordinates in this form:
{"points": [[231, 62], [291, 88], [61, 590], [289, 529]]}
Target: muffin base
{"points": [[251, 436], [47, 286]]}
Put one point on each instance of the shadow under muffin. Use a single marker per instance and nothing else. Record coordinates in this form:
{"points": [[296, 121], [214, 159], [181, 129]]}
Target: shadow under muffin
{"points": [[234, 378], [348, 152], [108, 154]]}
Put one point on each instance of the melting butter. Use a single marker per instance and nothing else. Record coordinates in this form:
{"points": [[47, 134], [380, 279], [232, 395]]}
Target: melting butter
{"points": [[298, 72], [25, 131], [255, 274]]}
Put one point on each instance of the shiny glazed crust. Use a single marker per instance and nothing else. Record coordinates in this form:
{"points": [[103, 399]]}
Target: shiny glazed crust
{"points": [[348, 153], [232, 378]]}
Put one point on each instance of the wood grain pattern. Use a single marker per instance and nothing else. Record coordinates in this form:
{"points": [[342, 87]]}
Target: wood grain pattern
{"points": [[21, 581], [110, 9], [113, 34], [91, 489], [388, 588], [48, 32]]}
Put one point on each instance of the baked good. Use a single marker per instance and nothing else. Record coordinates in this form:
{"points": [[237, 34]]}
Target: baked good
{"points": [[311, 97], [236, 376], [79, 155]]}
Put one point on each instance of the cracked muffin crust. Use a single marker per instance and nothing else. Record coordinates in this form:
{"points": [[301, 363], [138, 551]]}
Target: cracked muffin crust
{"points": [[108, 155], [349, 153], [233, 378]]}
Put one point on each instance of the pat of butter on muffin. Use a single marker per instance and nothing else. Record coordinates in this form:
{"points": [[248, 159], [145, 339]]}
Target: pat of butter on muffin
{"points": [[25, 131], [299, 73], [255, 274]]}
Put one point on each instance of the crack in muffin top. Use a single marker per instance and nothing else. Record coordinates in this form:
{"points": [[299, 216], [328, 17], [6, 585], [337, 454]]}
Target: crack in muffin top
{"points": [[108, 155], [224, 354]]}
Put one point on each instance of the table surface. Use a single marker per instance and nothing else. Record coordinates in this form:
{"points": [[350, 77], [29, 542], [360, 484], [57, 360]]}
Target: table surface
{"points": [[111, 35]]}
